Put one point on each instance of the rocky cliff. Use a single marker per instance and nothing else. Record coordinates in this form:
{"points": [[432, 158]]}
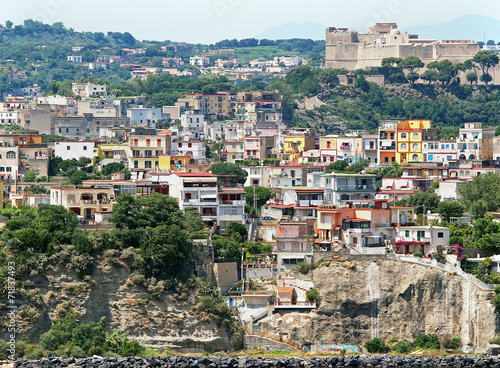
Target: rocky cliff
{"points": [[167, 320], [390, 299]]}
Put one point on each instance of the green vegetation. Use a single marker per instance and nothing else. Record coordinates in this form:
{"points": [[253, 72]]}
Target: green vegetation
{"points": [[226, 168], [403, 347], [429, 341], [312, 295], [377, 345]]}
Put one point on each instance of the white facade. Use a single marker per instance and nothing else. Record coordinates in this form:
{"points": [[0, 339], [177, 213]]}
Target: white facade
{"points": [[448, 190], [195, 149], [75, 58], [199, 60], [197, 190], [86, 90], [11, 117], [434, 235], [369, 147], [146, 116], [258, 175], [9, 162], [74, 150], [440, 151], [193, 122]]}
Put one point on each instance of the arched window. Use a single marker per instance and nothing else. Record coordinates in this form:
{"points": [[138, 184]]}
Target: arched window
{"points": [[403, 135], [414, 146], [11, 154], [403, 146], [414, 157], [415, 135]]}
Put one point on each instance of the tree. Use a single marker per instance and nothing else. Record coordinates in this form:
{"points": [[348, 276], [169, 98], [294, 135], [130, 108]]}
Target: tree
{"points": [[486, 60], [339, 165], [429, 76], [8, 24], [484, 188], [193, 220], [376, 345], [263, 195], [412, 63], [450, 209], [361, 83], [429, 341], [226, 247], [478, 209], [112, 167], [30, 175], [392, 65], [428, 199], [312, 295], [78, 176], [227, 168], [237, 229]]}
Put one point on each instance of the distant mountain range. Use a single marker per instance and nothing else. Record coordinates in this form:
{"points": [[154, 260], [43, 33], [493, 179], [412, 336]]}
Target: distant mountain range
{"points": [[473, 27], [469, 27]]}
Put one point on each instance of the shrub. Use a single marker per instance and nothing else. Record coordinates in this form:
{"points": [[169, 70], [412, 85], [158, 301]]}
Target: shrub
{"points": [[452, 343], [495, 340], [497, 289], [429, 341], [312, 295], [417, 254], [376, 345], [304, 267], [4, 346], [403, 347], [496, 303], [35, 354]]}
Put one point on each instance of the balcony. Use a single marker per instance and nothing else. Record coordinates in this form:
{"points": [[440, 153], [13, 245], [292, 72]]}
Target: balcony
{"points": [[354, 188], [233, 202], [295, 305], [309, 202]]}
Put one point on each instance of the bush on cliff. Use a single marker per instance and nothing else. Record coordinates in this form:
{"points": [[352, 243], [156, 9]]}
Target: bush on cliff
{"points": [[429, 341], [403, 347], [377, 345]]}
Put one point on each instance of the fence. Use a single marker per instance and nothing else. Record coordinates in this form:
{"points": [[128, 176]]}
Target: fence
{"points": [[443, 267]]}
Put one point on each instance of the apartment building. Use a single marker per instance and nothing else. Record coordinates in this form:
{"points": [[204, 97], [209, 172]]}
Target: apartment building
{"points": [[475, 142], [86, 202], [410, 137], [144, 152]]}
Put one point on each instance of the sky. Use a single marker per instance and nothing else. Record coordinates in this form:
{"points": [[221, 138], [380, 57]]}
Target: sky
{"points": [[208, 21]]}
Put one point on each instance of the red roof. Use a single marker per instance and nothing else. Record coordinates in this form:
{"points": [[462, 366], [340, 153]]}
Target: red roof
{"points": [[194, 175]]}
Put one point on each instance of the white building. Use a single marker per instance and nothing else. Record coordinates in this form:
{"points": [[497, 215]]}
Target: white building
{"points": [[440, 151], [430, 237], [86, 90], [193, 148], [11, 117], [9, 162], [75, 58], [199, 60], [74, 150], [448, 190], [369, 147], [146, 116], [193, 122], [197, 190]]}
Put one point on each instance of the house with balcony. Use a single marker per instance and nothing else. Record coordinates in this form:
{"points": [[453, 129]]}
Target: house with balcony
{"points": [[68, 150], [258, 175], [349, 148], [440, 151], [196, 190], [297, 203], [410, 137], [395, 189], [387, 142], [429, 170], [369, 148], [423, 239], [344, 187], [108, 153], [232, 200], [475, 142], [294, 243], [85, 202], [193, 121], [361, 222], [191, 148], [259, 147], [297, 140], [233, 151], [466, 170], [144, 152]]}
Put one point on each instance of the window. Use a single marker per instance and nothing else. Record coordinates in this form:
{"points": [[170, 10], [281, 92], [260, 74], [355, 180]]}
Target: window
{"points": [[448, 157], [415, 135], [414, 146], [407, 233], [11, 155], [440, 234], [136, 164], [403, 146], [84, 148], [415, 158], [147, 164], [68, 148], [430, 157], [403, 135], [9, 168], [2, 169]]}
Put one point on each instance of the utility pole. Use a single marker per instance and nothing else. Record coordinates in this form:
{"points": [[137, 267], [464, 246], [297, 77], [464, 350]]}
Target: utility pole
{"points": [[254, 200]]}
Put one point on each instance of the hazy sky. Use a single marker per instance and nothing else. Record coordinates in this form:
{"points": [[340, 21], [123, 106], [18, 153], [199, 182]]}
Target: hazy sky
{"points": [[209, 21]]}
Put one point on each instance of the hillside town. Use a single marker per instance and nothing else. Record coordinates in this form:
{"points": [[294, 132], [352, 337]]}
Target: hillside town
{"points": [[218, 196]]}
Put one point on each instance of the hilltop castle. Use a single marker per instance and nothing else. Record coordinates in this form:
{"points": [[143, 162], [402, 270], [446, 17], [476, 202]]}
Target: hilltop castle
{"points": [[352, 50]]}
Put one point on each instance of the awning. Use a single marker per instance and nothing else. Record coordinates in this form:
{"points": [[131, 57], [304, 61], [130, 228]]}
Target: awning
{"points": [[338, 227]]}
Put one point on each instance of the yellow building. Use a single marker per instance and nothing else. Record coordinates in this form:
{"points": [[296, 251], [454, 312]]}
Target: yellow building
{"points": [[107, 153], [297, 141], [410, 135], [175, 163]]}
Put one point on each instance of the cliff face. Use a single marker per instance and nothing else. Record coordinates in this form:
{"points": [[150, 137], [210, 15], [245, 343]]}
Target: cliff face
{"points": [[390, 299], [168, 322]]}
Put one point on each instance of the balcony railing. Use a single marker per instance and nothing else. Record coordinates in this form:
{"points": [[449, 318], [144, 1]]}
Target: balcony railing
{"points": [[295, 304], [234, 202], [360, 187], [309, 202]]}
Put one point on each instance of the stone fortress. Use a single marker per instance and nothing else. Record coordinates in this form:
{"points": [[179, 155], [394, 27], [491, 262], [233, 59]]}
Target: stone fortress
{"points": [[352, 50]]}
